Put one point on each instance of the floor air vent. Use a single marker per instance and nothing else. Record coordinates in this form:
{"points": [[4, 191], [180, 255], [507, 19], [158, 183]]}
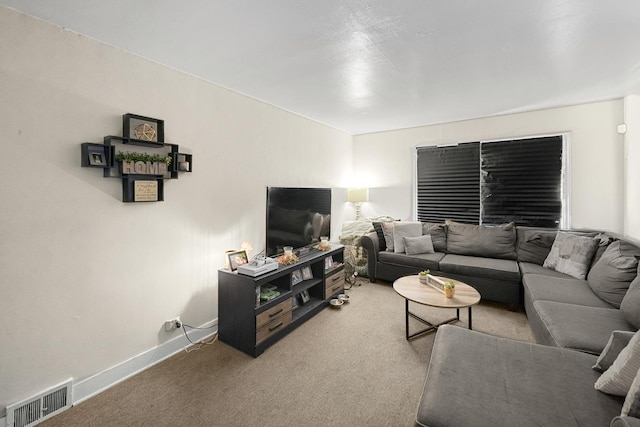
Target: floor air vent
{"points": [[38, 408]]}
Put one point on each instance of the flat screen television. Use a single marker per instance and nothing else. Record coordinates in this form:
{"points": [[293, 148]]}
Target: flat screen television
{"points": [[296, 217]]}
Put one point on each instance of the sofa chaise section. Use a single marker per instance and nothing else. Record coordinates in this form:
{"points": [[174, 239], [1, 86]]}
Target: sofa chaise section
{"points": [[508, 382]]}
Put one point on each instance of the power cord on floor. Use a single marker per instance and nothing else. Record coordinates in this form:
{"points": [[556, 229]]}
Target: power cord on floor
{"points": [[198, 343]]}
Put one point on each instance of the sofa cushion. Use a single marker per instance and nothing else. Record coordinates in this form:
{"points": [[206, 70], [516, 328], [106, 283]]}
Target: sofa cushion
{"points": [[530, 268], [418, 245], [483, 241], [387, 230], [611, 275], [617, 342], [382, 243], [402, 230], [533, 245], [565, 289], [631, 405], [579, 327], [630, 305], [618, 378], [438, 233], [420, 262], [490, 268], [571, 254], [503, 382]]}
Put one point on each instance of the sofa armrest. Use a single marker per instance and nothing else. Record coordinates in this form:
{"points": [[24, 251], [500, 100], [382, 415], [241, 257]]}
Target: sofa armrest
{"points": [[625, 422], [370, 243]]}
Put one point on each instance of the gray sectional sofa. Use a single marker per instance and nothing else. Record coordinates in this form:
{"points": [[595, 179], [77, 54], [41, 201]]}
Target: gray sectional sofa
{"points": [[581, 293], [505, 263]]}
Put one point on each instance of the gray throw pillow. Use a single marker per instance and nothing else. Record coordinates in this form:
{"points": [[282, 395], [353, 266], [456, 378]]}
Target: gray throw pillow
{"points": [[438, 233], [418, 245], [534, 245], [479, 240], [382, 243], [618, 378], [631, 407], [387, 230], [402, 230], [571, 254], [617, 342], [610, 277], [630, 306]]}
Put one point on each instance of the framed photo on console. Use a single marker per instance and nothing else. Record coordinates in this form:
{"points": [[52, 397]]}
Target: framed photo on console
{"points": [[296, 277], [304, 297], [237, 258], [306, 273]]}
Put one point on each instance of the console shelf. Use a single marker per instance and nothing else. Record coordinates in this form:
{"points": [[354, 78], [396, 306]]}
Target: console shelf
{"points": [[250, 325]]}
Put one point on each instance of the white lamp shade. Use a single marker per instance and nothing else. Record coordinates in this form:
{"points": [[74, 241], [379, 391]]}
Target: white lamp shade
{"points": [[358, 194]]}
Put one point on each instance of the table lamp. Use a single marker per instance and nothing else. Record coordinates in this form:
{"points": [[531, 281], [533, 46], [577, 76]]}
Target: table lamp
{"points": [[357, 196]]}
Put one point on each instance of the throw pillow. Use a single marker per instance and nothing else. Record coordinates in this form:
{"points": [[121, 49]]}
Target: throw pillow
{"points": [[479, 240], [382, 244], [534, 245], [631, 302], [631, 407], [418, 245], [571, 254], [617, 342], [618, 378], [438, 233], [387, 230], [610, 277], [402, 230]]}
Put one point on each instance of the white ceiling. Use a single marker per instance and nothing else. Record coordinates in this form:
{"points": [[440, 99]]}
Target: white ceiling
{"points": [[373, 65]]}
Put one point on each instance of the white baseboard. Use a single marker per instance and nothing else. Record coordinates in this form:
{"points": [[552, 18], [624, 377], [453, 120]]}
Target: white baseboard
{"points": [[98, 383]]}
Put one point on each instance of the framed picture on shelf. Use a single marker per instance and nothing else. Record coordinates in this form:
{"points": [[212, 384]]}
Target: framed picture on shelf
{"points": [[306, 273], [237, 258], [296, 277], [96, 158], [304, 297], [328, 263], [294, 303]]}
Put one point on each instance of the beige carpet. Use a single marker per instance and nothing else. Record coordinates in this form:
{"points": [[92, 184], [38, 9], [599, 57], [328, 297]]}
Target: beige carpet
{"points": [[349, 366]]}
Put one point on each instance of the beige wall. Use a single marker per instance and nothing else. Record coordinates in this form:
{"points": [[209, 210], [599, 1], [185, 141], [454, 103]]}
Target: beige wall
{"points": [[384, 160], [632, 165], [88, 281]]}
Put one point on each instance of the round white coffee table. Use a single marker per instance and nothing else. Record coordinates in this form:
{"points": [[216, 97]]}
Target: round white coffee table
{"points": [[411, 289]]}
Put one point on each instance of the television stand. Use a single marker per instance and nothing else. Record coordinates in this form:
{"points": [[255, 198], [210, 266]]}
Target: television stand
{"points": [[303, 289]]}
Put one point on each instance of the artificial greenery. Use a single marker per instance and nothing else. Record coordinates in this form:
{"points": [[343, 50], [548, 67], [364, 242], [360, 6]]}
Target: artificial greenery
{"points": [[424, 272], [142, 157], [450, 284]]}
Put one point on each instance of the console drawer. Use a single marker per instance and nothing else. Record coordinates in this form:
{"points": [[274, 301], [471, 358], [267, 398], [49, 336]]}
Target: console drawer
{"points": [[268, 315], [277, 324], [334, 283]]}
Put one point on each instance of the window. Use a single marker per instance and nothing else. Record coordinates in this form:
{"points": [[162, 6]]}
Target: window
{"points": [[448, 183], [515, 180]]}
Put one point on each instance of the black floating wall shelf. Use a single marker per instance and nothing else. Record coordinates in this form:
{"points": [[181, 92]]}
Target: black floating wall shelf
{"points": [[142, 173]]}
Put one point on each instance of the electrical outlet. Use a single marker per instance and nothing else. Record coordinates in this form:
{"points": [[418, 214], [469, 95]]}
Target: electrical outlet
{"points": [[172, 324]]}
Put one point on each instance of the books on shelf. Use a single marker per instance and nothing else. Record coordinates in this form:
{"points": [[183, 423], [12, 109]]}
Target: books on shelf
{"points": [[269, 295]]}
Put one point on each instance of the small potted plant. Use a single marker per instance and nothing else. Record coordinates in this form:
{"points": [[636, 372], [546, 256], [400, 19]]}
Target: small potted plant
{"points": [[449, 289], [422, 276]]}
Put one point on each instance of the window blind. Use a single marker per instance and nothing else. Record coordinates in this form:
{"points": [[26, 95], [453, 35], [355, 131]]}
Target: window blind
{"points": [[522, 181], [448, 183]]}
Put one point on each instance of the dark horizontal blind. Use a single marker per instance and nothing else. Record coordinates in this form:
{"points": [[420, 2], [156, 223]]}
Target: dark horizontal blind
{"points": [[448, 183], [522, 181]]}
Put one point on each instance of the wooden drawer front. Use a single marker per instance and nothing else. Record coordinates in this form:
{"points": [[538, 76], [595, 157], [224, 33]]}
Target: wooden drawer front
{"points": [[275, 311], [277, 324], [334, 283]]}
